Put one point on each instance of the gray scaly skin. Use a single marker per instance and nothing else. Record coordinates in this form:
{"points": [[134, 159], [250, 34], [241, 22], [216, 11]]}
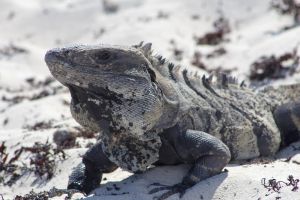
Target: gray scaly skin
{"points": [[151, 112]]}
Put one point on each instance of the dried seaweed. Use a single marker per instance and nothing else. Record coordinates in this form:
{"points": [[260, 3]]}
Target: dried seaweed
{"points": [[110, 6], [39, 125], [221, 28], [162, 15], [177, 52], [216, 53], [275, 186], [11, 50], [272, 67], [197, 61], [10, 169], [33, 196], [287, 7], [45, 195], [44, 88], [43, 160]]}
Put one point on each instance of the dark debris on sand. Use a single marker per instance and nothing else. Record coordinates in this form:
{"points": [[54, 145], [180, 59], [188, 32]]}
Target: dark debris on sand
{"points": [[216, 53], [197, 61], [39, 126], [38, 90], [288, 7], [44, 87], [273, 185], [45, 195], [272, 67], [221, 28], [43, 158], [11, 50]]}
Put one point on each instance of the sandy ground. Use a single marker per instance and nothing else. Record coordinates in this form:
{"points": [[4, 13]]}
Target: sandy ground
{"points": [[32, 108]]}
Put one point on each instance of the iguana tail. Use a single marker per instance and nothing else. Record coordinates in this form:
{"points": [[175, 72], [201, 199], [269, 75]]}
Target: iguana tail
{"points": [[287, 112]]}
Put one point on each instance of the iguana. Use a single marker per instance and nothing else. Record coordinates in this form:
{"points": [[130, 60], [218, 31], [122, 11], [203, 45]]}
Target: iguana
{"points": [[151, 112]]}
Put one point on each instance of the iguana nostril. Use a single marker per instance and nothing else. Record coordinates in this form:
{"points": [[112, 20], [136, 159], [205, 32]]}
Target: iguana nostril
{"points": [[49, 56], [52, 56]]}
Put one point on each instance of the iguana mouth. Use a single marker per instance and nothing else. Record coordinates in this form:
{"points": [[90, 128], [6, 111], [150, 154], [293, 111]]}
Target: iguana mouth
{"points": [[80, 94], [76, 92]]}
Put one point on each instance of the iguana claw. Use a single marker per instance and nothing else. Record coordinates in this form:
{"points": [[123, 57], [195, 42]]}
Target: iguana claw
{"points": [[177, 188]]}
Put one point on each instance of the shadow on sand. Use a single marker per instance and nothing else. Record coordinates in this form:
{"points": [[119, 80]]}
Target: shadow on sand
{"points": [[137, 186]]}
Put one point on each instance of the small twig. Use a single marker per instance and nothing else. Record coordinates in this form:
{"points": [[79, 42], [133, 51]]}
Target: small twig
{"points": [[288, 159], [275, 185], [272, 185], [296, 162], [17, 155]]}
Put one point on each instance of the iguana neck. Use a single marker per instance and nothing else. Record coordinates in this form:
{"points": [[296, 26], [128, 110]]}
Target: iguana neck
{"points": [[172, 106]]}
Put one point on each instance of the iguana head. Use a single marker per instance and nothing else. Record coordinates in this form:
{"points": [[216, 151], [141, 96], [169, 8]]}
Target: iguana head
{"points": [[115, 85]]}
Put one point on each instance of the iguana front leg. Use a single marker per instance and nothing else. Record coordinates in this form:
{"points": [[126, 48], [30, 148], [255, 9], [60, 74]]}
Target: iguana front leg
{"points": [[207, 154], [87, 175]]}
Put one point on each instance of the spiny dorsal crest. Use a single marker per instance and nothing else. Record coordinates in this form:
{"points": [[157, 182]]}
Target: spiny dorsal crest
{"points": [[145, 48], [223, 80], [177, 73]]}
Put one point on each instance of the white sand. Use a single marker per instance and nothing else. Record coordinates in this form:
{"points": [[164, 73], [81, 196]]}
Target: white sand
{"points": [[38, 25]]}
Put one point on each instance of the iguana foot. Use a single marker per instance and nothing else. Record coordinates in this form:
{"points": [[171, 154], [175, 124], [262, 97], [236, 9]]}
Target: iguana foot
{"points": [[82, 180], [179, 188], [87, 175]]}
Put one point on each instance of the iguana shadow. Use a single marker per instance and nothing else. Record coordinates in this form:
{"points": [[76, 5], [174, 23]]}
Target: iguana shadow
{"points": [[137, 186]]}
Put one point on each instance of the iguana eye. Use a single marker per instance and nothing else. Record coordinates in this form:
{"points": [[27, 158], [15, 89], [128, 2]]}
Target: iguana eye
{"points": [[103, 55]]}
